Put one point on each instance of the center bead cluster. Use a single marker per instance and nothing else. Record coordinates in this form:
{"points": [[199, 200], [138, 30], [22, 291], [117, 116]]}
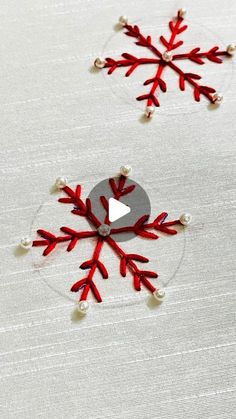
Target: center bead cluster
{"points": [[104, 230], [167, 56]]}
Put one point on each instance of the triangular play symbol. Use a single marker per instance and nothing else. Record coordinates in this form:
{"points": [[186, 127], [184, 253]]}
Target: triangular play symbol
{"points": [[117, 210]]}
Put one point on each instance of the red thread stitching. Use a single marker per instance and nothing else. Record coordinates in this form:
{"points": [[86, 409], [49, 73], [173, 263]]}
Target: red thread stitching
{"points": [[127, 260], [176, 27]]}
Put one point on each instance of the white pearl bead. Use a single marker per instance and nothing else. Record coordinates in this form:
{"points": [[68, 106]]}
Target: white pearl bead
{"points": [[83, 307], [26, 243], [104, 230], [149, 111], [185, 219], [123, 20], [167, 56], [231, 49], [182, 13], [126, 170], [217, 98], [99, 62], [60, 182], [159, 295]]}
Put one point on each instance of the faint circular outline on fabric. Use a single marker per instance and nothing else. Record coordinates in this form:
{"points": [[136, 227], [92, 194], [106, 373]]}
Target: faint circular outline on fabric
{"points": [[128, 99], [126, 297]]}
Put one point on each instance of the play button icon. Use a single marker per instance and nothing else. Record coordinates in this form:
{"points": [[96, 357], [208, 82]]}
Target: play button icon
{"points": [[117, 210], [124, 209]]}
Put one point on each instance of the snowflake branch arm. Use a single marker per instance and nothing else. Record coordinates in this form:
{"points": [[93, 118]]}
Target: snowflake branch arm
{"points": [[90, 215], [160, 224], [142, 41], [197, 88], [196, 56], [87, 284], [141, 226], [127, 262], [80, 208], [51, 241], [176, 29], [128, 61], [73, 197], [119, 189], [156, 82]]}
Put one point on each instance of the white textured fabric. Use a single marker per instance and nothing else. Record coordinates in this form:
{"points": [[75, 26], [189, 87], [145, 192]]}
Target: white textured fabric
{"points": [[128, 359]]}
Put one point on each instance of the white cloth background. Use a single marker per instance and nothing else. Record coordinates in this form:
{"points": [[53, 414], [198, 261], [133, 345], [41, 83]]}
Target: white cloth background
{"points": [[128, 358]]}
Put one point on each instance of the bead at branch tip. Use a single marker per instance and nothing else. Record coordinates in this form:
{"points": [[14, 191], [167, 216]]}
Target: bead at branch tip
{"points": [[217, 98], [185, 219], [167, 56], [60, 182], [159, 295], [231, 49], [123, 20], [104, 230], [126, 170], [149, 111], [26, 243], [182, 13], [83, 307], [99, 62]]}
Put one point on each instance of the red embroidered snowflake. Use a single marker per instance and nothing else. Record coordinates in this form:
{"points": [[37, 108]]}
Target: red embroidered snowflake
{"points": [[103, 233], [166, 59]]}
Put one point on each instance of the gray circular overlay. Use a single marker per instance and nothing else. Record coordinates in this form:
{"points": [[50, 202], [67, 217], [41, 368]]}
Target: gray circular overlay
{"points": [[138, 201]]}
